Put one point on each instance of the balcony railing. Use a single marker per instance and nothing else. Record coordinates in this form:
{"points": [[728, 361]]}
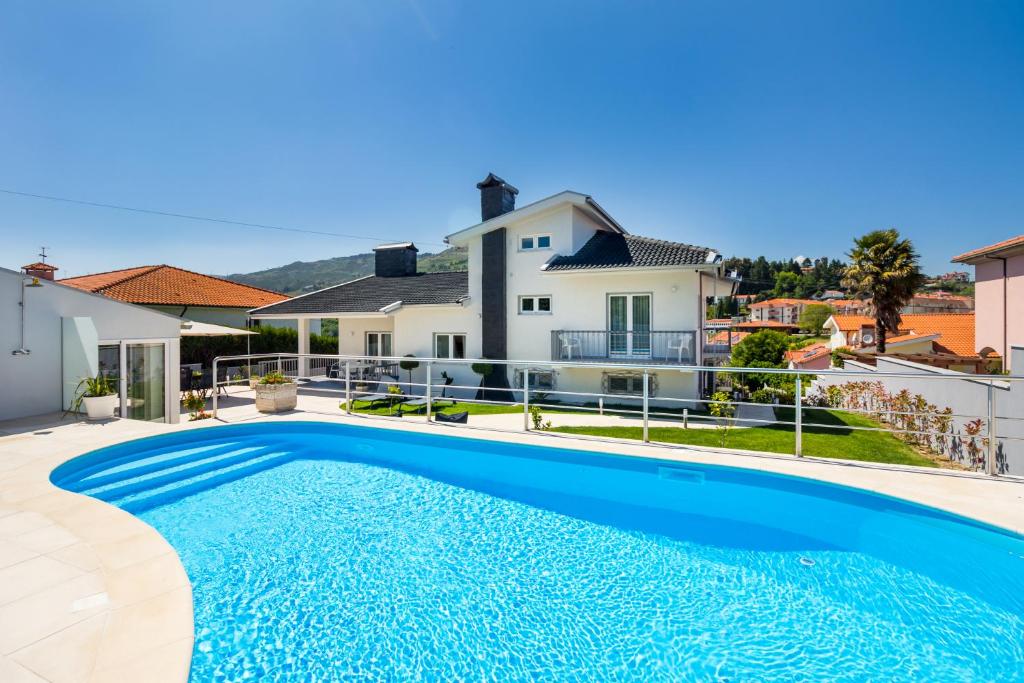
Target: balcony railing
{"points": [[678, 347]]}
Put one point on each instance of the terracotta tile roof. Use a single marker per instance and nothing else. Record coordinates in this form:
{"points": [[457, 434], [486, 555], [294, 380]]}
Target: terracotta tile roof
{"points": [[808, 353], [769, 303], [170, 286], [39, 266], [761, 324], [722, 337], [1011, 243], [956, 330]]}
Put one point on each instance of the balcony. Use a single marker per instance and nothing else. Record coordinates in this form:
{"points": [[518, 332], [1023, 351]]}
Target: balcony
{"points": [[630, 346]]}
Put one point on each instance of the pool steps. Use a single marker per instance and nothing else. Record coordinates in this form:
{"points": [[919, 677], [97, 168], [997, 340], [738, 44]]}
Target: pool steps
{"points": [[144, 480]]}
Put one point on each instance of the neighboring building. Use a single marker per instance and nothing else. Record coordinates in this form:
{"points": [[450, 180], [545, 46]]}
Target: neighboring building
{"points": [[849, 306], [555, 280], [830, 294], [786, 311], [179, 292], [817, 356], [758, 325], [957, 276], [946, 336], [54, 336], [939, 302], [999, 295]]}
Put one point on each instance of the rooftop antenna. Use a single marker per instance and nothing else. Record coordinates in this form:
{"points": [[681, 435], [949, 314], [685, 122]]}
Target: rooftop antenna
{"points": [[42, 254]]}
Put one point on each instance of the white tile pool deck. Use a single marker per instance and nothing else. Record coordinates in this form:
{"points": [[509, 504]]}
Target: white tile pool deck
{"points": [[90, 593]]}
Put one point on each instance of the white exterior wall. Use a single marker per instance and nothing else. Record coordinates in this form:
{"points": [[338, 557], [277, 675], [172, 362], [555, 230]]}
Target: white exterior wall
{"points": [[352, 334], [966, 397], [35, 380]]}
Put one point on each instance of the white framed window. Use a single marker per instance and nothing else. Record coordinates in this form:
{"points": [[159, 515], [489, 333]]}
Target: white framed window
{"points": [[541, 379], [535, 304], [629, 383], [449, 345], [378, 344], [534, 242]]}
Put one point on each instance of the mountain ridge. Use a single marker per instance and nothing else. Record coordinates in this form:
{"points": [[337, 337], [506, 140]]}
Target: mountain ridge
{"points": [[301, 277]]}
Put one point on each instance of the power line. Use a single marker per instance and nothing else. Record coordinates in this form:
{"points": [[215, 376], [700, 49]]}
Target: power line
{"points": [[206, 219]]}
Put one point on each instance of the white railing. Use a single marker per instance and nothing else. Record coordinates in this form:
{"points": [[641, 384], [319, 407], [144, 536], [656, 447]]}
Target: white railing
{"points": [[983, 438]]}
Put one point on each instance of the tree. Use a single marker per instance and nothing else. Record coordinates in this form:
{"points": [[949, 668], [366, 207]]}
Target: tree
{"points": [[409, 366], [884, 267], [786, 283], [814, 316], [766, 347]]}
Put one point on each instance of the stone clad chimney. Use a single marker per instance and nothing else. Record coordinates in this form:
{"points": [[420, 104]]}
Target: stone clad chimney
{"points": [[395, 260], [496, 197], [43, 271]]}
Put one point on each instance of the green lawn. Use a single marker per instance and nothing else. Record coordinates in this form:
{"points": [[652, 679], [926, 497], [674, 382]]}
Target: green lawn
{"points": [[440, 406], [848, 444]]}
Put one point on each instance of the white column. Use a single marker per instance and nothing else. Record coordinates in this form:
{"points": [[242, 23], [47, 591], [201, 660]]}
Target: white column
{"points": [[303, 326], [339, 337]]}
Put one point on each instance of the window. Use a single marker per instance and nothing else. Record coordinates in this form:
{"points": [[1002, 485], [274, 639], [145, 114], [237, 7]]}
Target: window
{"points": [[532, 242], [540, 380], [378, 344], [529, 305], [629, 383], [448, 345]]}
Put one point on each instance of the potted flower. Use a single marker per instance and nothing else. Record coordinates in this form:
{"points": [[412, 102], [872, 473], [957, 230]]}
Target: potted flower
{"points": [[98, 396], [275, 393]]}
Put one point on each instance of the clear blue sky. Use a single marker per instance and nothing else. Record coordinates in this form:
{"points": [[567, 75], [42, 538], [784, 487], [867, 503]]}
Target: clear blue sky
{"points": [[774, 128]]}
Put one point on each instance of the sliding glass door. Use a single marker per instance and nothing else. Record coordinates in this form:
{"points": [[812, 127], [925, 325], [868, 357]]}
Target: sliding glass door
{"points": [[145, 389], [110, 367], [629, 324]]}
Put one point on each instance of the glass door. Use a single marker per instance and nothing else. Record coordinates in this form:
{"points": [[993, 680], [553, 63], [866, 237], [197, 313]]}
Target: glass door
{"points": [[629, 325], [618, 324], [110, 367], [145, 390]]}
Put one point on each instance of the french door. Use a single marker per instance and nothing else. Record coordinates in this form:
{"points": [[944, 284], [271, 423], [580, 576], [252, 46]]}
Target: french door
{"points": [[378, 344], [629, 325], [139, 371]]}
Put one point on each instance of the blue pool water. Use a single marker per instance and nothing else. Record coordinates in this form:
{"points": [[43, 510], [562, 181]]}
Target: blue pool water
{"points": [[321, 552]]}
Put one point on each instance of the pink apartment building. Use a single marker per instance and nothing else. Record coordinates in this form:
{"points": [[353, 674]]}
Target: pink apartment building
{"points": [[999, 296]]}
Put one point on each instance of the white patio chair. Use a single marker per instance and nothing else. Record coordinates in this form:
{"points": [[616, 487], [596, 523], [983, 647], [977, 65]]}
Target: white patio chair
{"points": [[677, 345], [568, 343]]}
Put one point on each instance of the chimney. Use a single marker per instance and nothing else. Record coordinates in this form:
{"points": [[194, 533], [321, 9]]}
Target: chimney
{"points": [[43, 271], [496, 197], [395, 260]]}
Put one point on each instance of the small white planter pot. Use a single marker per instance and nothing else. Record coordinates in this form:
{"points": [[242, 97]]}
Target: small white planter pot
{"points": [[100, 407], [275, 398]]}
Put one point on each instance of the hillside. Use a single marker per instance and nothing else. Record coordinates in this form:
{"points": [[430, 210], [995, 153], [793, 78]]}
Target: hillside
{"points": [[306, 276]]}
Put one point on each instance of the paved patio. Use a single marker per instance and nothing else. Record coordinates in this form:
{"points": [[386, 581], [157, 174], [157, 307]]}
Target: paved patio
{"points": [[89, 592]]}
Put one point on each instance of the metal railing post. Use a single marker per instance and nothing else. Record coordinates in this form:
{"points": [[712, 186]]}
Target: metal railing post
{"points": [[430, 402], [526, 399], [647, 396], [214, 406], [798, 404], [348, 387], [993, 444]]}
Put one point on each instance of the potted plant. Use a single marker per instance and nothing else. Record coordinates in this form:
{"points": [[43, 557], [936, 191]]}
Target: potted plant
{"points": [[98, 396], [194, 401], [275, 393]]}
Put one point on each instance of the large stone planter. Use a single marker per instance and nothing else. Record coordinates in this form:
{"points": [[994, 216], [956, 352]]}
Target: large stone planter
{"points": [[275, 398]]}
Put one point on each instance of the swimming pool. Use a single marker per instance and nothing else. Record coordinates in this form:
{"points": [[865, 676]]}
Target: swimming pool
{"points": [[321, 551]]}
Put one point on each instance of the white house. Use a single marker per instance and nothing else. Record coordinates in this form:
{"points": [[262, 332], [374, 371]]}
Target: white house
{"points": [[555, 280], [53, 335]]}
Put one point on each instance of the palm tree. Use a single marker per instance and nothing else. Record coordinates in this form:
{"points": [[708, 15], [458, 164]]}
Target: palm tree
{"points": [[884, 267]]}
